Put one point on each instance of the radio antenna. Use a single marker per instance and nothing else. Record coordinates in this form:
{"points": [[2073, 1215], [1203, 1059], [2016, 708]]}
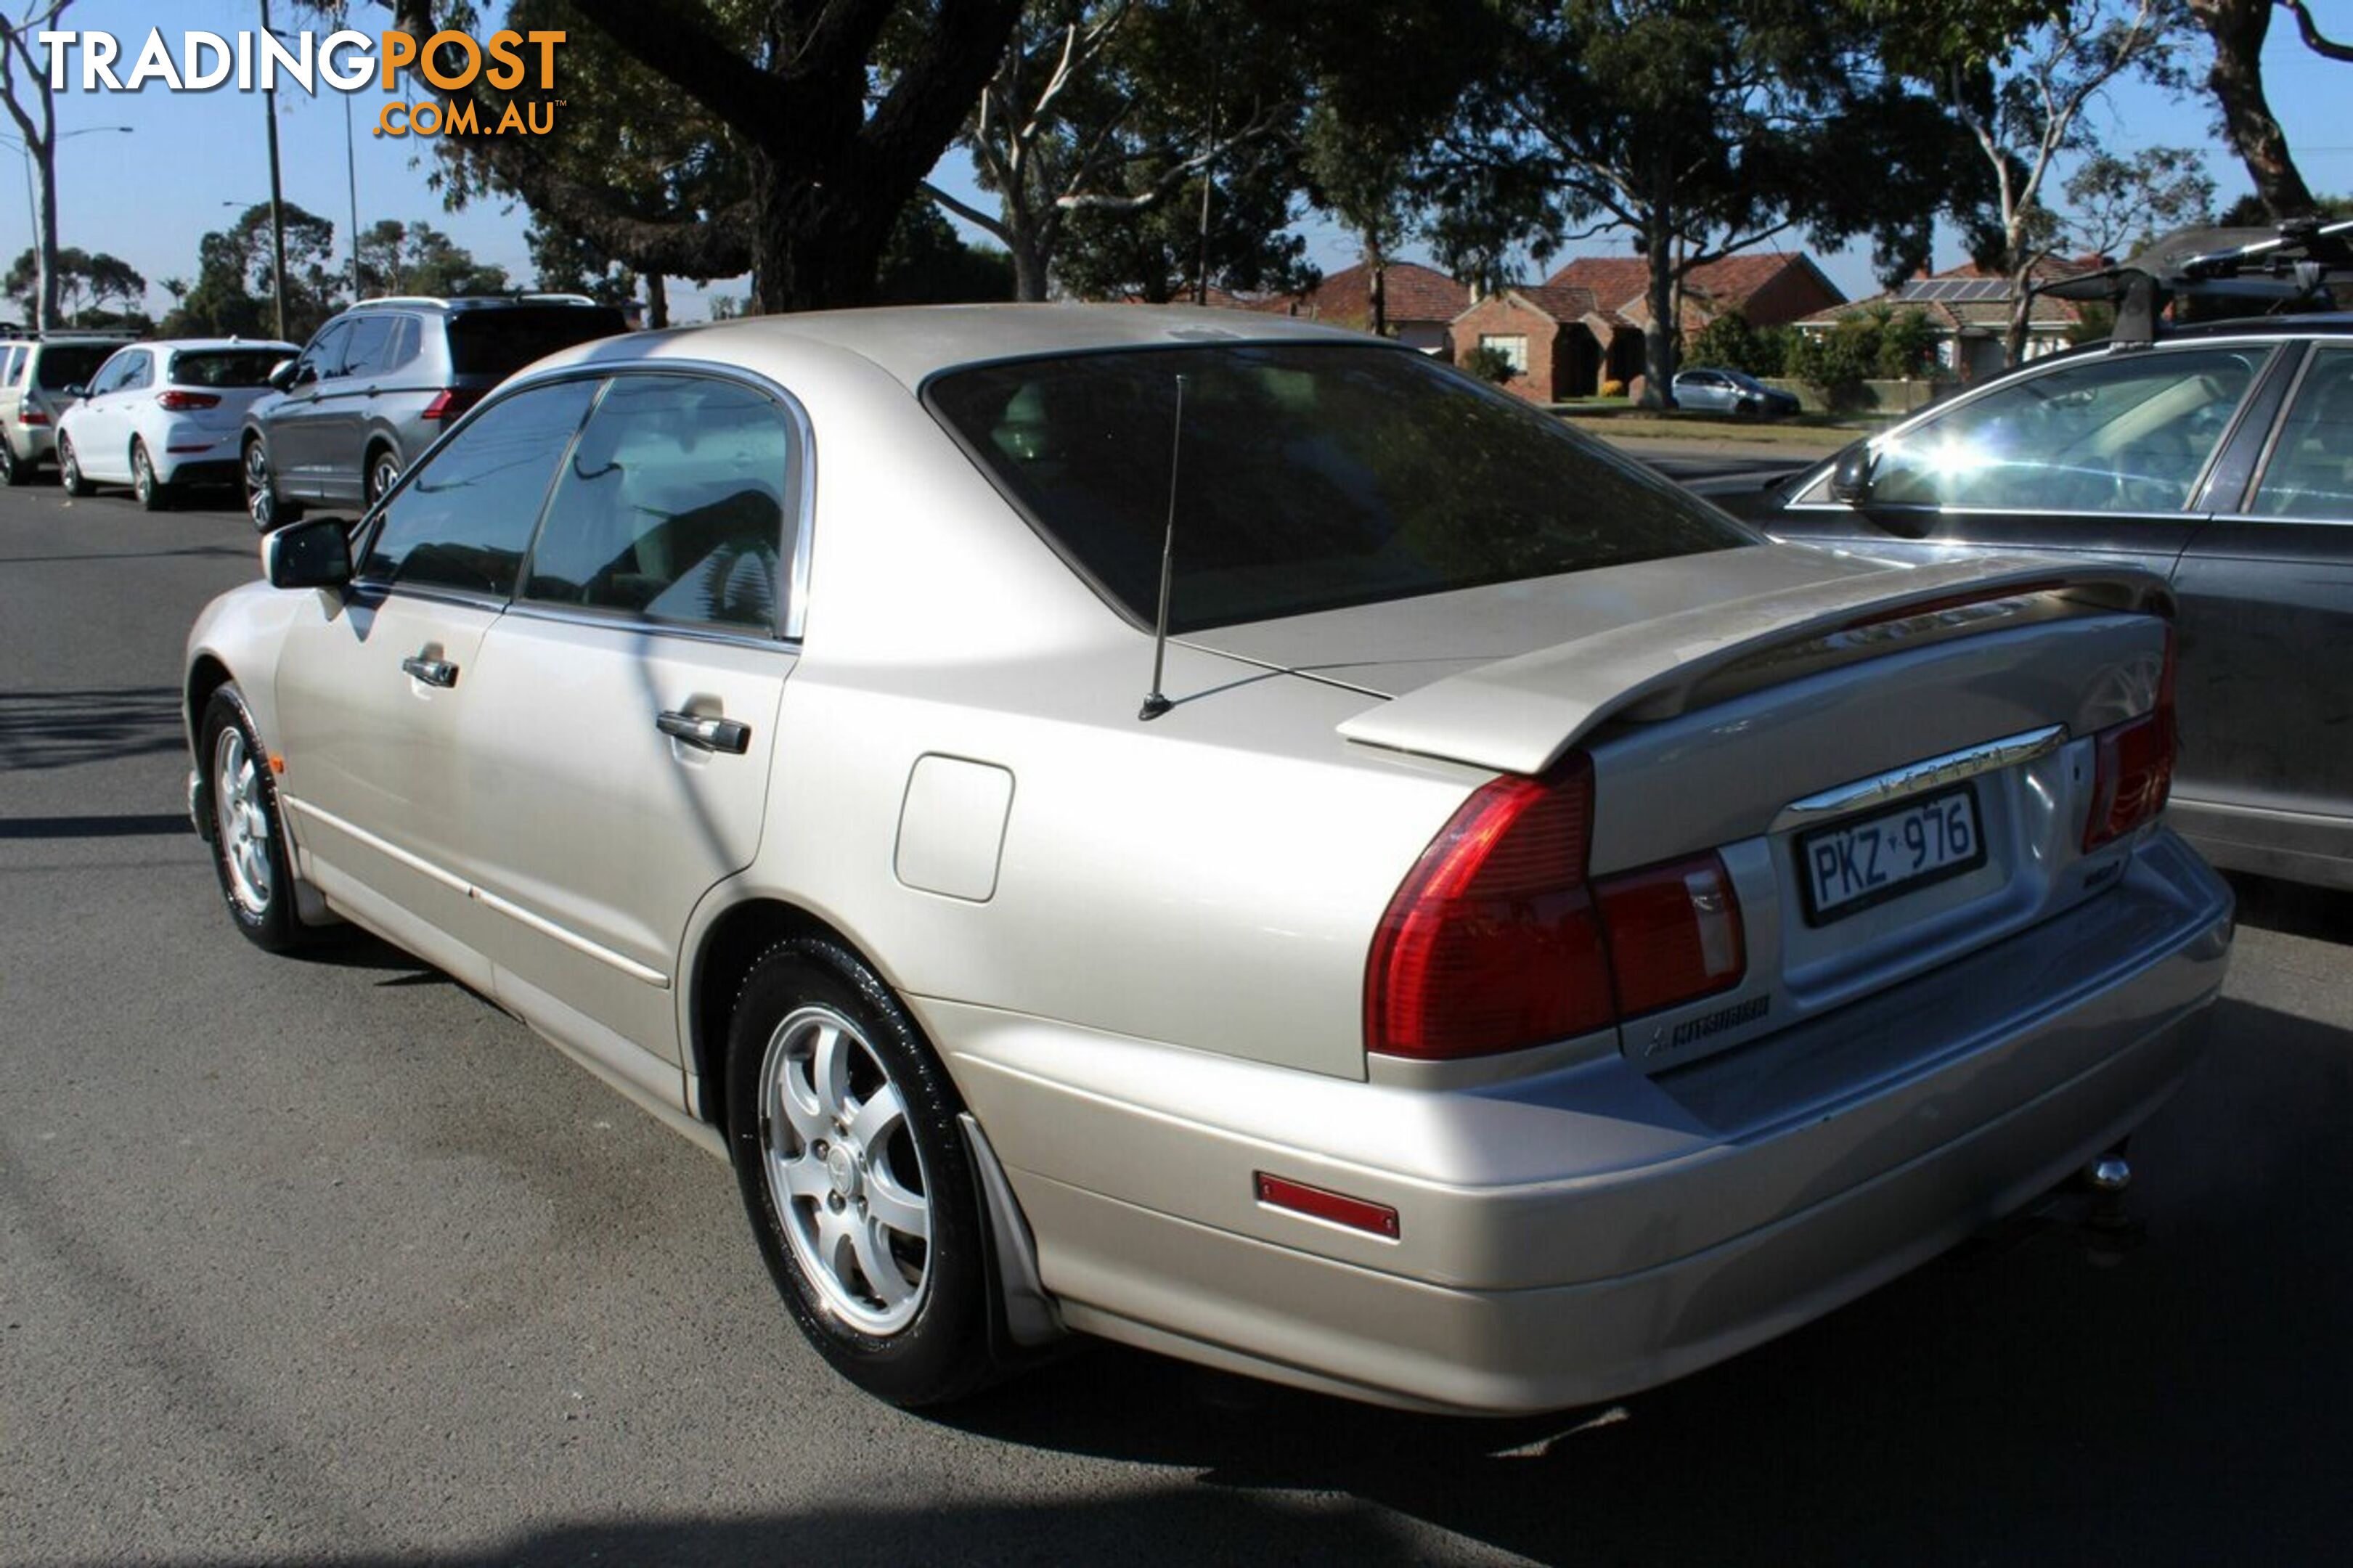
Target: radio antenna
{"points": [[1155, 702]]}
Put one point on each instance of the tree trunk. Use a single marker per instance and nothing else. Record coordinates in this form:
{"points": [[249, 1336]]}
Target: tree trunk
{"points": [[46, 306], [1658, 337], [1030, 270], [657, 299], [2022, 304], [813, 245], [2237, 28]]}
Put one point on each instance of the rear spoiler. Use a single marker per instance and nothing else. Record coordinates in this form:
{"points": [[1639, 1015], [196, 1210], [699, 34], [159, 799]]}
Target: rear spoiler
{"points": [[1521, 715]]}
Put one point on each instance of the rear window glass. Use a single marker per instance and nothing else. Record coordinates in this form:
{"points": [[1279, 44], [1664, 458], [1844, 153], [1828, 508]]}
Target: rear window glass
{"points": [[1310, 478], [499, 342], [225, 367], [61, 365]]}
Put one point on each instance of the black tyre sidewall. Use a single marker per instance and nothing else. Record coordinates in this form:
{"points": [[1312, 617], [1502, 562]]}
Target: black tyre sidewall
{"points": [[272, 929], [12, 469], [944, 1352]]}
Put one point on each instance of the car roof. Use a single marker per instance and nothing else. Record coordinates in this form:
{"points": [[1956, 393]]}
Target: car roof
{"points": [[175, 345], [912, 342], [460, 303]]}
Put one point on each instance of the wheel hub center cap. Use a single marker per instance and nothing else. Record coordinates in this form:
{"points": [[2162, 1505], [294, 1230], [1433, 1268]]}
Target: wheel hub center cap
{"points": [[842, 1168]]}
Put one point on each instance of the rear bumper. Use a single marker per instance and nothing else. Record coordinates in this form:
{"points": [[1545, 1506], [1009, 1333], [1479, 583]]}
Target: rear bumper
{"points": [[1584, 1233]]}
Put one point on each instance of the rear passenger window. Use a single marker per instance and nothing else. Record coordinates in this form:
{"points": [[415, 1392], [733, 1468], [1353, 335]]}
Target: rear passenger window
{"points": [[2311, 469], [462, 521], [673, 507], [16, 367]]}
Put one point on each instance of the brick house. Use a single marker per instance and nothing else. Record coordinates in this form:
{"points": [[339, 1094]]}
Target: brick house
{"points": [[1561, 341], [1418, 302], [1768, 287]]}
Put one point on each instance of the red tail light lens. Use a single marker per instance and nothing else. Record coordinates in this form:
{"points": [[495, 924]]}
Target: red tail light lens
{"points": [[185, 402], [1492, 942], [1674, 933], [32, 415], [450, 403], [2133, 771]]}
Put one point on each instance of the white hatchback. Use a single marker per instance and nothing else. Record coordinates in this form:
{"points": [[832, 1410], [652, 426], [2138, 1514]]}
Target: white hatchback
{"points": [[163, 417]]}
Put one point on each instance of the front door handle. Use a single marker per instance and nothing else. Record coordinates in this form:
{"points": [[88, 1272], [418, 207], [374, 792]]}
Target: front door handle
{"points": [[705, 734], [432, 671]]}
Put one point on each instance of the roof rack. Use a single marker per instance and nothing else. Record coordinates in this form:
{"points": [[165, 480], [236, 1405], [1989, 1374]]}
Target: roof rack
{"points": [[2290, 268], [519, 296]]}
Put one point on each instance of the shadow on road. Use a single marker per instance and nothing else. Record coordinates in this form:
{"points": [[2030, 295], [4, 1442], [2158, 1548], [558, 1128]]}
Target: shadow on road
{"points": [[2322, 914], [40, 730], [127, 825]]}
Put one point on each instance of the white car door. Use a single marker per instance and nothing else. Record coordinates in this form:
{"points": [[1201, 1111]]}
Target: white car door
{"points": [[617, 748], [101, 427], [374, 683]]}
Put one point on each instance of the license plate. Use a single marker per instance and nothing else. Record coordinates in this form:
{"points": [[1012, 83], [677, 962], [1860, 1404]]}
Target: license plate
{"points": [[1858, 863]]}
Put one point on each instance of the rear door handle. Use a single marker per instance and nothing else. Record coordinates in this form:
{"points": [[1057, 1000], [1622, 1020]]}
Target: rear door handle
{"points": [[705, 734], [432, 671]]}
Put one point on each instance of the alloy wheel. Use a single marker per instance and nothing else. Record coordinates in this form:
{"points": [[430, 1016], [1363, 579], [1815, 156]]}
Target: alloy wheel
{"points": [[239, 819]]}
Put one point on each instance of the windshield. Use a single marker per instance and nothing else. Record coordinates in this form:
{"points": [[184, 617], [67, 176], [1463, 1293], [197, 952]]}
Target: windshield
{"points": [[225, 367], [499, 342], [1312, 476], [70, 364]]}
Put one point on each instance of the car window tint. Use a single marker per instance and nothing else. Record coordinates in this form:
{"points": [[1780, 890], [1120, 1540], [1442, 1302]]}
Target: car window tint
{"points": [[224, 367], [501, 341], [112, 374], [324, 357], [368, 349], [16, 367], [141, 373], [61, 365], [405, 339], [2122, 434], [2311, 469], [672, 506], [1312, 476], [463, 520]]}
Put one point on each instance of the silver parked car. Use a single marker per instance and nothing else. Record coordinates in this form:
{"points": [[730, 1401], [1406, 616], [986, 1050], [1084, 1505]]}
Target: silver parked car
{"points": [[1499, 952]]}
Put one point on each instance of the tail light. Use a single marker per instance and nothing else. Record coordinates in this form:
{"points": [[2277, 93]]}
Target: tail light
{"points": [[2133, 767], [451, 401], [186, 402], [29, 415], [1498, 940]]}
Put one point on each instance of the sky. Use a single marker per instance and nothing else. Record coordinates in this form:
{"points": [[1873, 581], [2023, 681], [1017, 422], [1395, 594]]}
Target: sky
{"points": [[189, 162]]}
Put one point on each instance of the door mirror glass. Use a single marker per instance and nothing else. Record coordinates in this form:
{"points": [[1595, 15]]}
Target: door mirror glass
{"points": [[1851, 477], [76, 391], [313, 554]]}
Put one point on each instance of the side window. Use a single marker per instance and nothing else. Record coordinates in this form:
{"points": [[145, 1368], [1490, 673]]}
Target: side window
{"points": [[16, 366], [463, 520], [368, 350], [113, 375], [2311, 469], [673, 507], [2122, 434], [403, 350], [324, 357], [141, 372]]}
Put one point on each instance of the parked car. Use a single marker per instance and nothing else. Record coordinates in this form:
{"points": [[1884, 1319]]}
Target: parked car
{"points": [[2220, 458], [36, 373], [165, 416], [1493, 953], [377, 384], [1708, 389]]}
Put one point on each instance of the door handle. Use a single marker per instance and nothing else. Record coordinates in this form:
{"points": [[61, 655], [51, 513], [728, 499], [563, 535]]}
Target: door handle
{"points": [[432, 671], [705, 734]]}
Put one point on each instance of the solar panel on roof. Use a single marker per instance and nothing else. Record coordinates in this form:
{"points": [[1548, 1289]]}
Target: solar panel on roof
{"points": [[1984, 288]]}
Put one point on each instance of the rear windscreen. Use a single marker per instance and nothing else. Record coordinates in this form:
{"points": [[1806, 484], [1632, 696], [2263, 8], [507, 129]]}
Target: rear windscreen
{"points": [[70, 364], [225, 367], [499, 342], [1308, 477]]}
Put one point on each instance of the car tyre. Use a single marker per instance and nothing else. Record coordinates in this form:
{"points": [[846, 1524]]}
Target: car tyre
{"points": [[69, 474], [263, 503], [13, 470], [383, 473], [843, 1130], [151, 493], [238, 792]]}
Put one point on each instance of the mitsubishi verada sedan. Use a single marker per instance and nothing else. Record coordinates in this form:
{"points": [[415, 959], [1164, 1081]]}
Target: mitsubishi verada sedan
{"points": [[1224, 835]]}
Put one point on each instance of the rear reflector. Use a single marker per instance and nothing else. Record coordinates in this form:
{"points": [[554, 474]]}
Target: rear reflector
{"points": [[185, 402], [2133, 767], [1319, 1203], [450, 403], [1674, 933], [1492, 944]]}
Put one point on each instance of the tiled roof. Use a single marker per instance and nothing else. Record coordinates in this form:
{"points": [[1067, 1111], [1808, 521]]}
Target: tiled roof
{"points": [[1623, 281], [1409, 292], [1563, 303], [1988, 310]]}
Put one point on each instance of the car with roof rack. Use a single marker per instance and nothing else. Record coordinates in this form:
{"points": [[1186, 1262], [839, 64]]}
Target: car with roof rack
{"points": [[380, 382], [2209, 440]]}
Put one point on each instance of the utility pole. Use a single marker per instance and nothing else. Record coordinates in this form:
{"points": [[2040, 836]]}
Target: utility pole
{"points": [[352, 174], [277, 199]]}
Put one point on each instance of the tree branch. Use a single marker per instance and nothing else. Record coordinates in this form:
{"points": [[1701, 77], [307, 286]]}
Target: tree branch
{"points": [[2312, 38]]}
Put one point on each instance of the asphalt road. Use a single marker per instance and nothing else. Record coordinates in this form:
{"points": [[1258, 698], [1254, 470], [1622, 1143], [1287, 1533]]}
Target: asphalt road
{"points": [[329, 1262]]}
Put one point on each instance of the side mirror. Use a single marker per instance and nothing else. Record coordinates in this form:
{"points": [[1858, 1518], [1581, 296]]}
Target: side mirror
{"points": [[313, 554], [281, 374], [1851, 477], [76, 391]]}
